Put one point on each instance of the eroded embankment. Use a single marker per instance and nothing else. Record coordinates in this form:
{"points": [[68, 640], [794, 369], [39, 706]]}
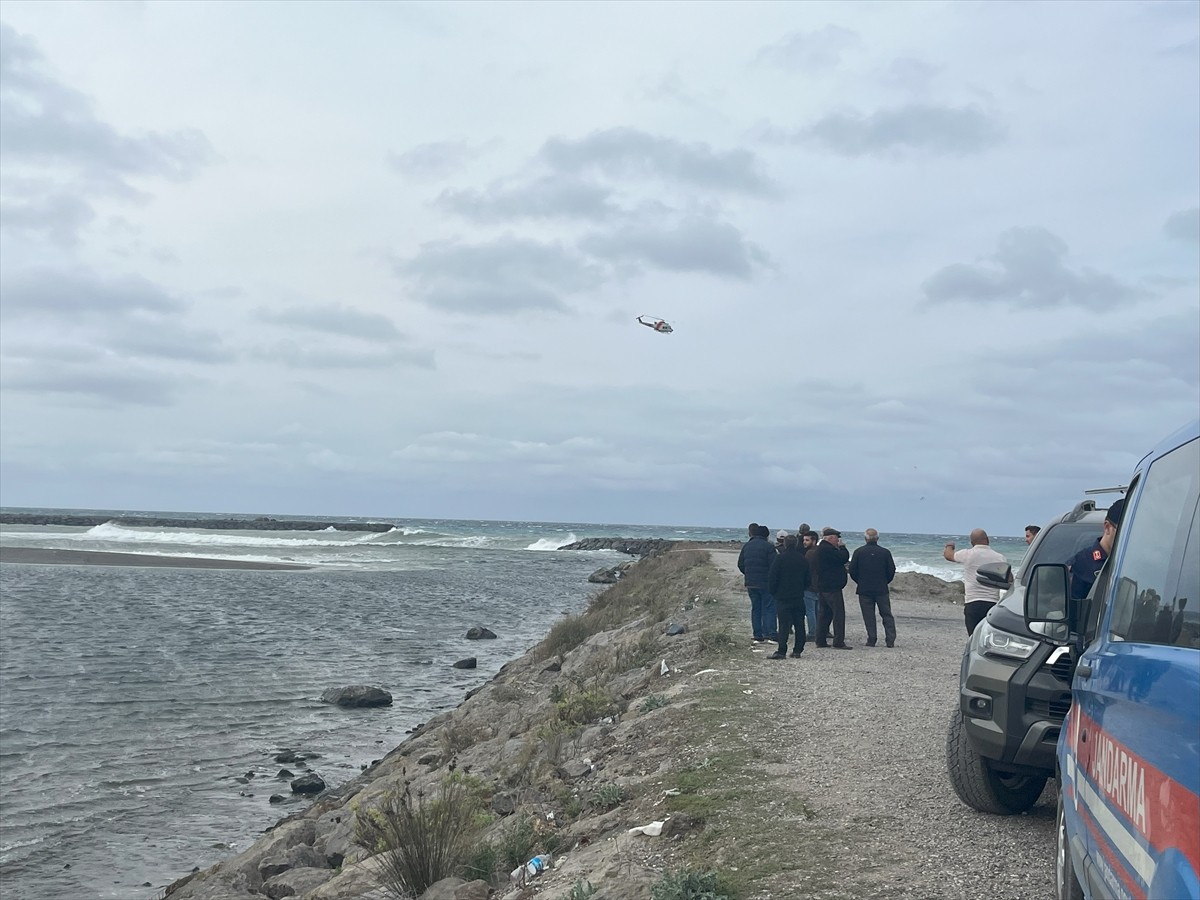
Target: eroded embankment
{"points": [[610, 723]]}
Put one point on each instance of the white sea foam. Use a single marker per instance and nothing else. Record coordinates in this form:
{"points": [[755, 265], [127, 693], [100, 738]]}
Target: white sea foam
{"points": [[552, 543], [110, 533], [941, 572]]}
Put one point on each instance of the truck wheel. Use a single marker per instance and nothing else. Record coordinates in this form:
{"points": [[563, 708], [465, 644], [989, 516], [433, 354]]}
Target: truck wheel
{"points": [[1067, 886], [980, 786]]}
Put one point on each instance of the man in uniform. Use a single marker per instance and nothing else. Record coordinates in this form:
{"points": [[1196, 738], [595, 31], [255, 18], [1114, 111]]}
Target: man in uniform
{"points": [[1088, 562]]}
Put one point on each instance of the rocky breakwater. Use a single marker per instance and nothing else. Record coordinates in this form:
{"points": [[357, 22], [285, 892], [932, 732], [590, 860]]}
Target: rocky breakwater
{"points": [[632, 546], [257, 523]]}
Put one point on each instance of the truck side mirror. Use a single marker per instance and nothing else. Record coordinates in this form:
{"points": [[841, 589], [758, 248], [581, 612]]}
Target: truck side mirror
{"points": [[995, 575], [1047, 601]]}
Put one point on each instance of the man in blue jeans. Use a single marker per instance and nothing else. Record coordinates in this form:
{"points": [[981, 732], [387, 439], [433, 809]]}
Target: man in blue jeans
{"points": [[754, 562], [810, 539]]}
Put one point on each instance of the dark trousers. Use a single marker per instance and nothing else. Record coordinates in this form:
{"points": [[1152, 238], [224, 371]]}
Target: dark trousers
{"points": [[868, 604], [975, 612], [791, 615], [832, 609]]}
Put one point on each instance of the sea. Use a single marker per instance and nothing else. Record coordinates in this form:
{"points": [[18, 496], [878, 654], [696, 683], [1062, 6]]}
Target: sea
{"points": [[141, 709]]}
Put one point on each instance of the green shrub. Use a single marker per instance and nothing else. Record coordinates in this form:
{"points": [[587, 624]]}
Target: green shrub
{"points": [[565, 635], [581, 890], [482, 863], [607, 796], [515, 845], [423, 839], [718, 639], [654, 701], [585, 707], [690, 884]]}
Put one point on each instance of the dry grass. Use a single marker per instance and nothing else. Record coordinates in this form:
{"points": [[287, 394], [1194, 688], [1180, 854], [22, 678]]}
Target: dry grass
{"points": [[421, 840], [653, 588]]}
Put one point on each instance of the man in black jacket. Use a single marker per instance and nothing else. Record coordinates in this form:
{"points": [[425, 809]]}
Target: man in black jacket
{"points": [[873, 569], [831, 559], [787, 581], [754, 562]]}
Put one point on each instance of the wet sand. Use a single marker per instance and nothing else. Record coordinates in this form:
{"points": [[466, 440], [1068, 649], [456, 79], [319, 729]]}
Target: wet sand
{"points": [[45, 557]]}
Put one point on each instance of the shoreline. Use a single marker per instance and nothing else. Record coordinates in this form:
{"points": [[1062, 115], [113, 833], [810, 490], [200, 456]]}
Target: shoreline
{"points": [[685, 734], [41, 556]]}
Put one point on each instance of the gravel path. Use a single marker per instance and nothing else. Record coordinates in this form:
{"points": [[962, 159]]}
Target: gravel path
{"points": [[868, 729]]}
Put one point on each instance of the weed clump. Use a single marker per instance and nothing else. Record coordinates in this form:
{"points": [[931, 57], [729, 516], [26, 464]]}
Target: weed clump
{"points": [[690, 884], [639, 593], [421, 840]]}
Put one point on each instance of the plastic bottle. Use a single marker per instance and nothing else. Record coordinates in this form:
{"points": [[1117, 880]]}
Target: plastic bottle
{"points": [[537, 865]]}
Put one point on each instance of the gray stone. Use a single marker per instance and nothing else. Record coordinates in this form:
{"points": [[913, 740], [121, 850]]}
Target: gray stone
{"points": [[272, 866], [574, 769], [473, 890], [503, 805], [468, 663], [358, 880], [605, 576], [312, 783], [674, 629], [446, 889], [296, 882], [353, 697], [335, 836], [303, 856], [479, 633]]}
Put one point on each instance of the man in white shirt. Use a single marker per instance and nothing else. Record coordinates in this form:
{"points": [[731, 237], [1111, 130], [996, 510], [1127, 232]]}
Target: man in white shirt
{"points": [[977, 599]]}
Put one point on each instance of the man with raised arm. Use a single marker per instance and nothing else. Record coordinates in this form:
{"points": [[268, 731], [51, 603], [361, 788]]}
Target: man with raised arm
{"points": [[977, 598]]}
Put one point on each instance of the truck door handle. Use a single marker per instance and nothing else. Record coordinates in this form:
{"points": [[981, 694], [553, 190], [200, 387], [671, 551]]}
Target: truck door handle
{"points": [[1083, 669]]}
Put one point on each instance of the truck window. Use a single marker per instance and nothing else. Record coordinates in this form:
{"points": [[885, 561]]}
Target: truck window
{"points": [[1185, 628], [1147, 605]]}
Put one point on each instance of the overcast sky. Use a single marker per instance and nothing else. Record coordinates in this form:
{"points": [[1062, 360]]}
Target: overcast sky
{"points": [[930, 266]]}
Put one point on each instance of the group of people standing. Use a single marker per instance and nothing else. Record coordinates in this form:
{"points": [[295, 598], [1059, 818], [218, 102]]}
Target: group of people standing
{"points": [[796, 586]]}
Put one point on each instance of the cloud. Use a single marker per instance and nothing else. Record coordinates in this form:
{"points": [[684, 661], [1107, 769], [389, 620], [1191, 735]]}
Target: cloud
{"points": [[505, 275], [152, 339], [58, 154], [695, 244], [1028, 269], [41, 209], [632, 153], [911, 74], [342, 320], [1184, 226], [810, 50], [48, 122], [437, 159], [297, 355], [552, 196], [569, 464], [109, 382], [919, 127], [80, 292]]}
